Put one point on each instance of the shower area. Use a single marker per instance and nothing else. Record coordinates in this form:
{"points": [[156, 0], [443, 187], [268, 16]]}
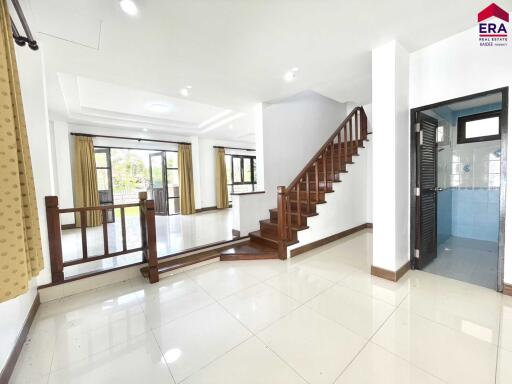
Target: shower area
{"points": [[468, 147]]}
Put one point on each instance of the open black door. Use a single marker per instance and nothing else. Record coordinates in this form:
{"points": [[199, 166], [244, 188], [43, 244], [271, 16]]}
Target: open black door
{"points": [[426, 190], [158, 180]]}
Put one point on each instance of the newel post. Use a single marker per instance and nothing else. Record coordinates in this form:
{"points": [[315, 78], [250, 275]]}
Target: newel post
{"points": [[281, 221], [151, 241], [54, 238]]}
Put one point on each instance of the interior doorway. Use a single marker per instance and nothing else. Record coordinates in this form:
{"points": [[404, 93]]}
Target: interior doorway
{"points": [[458, 152]]}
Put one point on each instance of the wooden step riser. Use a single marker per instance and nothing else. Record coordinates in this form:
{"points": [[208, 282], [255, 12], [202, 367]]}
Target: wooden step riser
{"points": [[263, 241]]}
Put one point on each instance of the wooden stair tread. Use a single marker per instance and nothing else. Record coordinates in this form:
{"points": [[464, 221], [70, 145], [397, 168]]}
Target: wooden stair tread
{"points": [[304, 214]]}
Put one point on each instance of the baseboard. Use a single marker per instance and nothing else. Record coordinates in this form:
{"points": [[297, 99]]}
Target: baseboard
{"points": [[507, 289], [6, 373], [329, 239], [390, 275]]}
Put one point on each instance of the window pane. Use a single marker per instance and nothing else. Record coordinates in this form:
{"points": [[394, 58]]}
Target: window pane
{"points": [[102, 179], [101, 159], [174, 206], [483, 127], [156, 172], [227, 159], [172, 159], [247, 170], [440, 134], [173, 182], [237, 170]]}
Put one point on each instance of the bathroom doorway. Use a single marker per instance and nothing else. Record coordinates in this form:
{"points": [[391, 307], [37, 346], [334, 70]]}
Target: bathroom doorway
{"points": [[457, 195]]}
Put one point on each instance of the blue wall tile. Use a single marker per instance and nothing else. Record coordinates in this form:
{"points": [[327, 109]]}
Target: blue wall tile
{"points": [[475, 214]]}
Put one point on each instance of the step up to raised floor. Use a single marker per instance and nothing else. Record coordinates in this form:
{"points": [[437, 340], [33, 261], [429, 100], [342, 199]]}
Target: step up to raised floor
{"points": [[249, 251], [268, 239]]}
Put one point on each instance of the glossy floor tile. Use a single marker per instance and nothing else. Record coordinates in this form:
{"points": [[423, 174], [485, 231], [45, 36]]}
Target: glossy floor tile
{"points": [[319, 317]]}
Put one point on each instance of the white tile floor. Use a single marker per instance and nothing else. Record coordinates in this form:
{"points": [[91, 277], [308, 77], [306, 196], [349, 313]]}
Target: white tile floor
{"points": [[173, 234], [317, 318]]}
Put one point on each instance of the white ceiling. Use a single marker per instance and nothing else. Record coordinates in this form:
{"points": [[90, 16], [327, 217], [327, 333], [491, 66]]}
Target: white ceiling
{"points": [[103, 64]]}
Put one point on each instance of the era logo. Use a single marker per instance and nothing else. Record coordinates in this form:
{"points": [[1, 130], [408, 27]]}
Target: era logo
{"points": [[492, 26]]}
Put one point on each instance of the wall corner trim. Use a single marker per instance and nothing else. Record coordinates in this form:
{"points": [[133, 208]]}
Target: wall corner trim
{"points": [[7, 370], [390, 275]]}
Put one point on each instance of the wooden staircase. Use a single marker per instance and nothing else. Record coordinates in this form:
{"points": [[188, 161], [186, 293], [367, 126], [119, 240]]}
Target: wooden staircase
{"points": [[299, 200]]}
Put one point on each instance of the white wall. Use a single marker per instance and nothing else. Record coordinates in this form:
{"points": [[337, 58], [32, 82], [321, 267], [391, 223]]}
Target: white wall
{"points": [[458, 66], [390, 86], [30, 66]]}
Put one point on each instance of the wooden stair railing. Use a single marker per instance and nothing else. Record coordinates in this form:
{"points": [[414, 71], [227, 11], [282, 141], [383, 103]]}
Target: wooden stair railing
{"points": [[298, 201], [295, 202], [147, 228]]}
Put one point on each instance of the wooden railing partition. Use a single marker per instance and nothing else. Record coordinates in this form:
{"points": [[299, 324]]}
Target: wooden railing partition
{"points": [[325, 165], [147, 228]]}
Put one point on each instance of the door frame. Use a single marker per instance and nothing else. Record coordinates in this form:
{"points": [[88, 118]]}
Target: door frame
{"points": [[503, 175]]}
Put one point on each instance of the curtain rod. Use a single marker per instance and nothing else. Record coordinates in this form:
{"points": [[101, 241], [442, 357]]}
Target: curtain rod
{"points": [[18, 39], [238, 149], [128, 138]]}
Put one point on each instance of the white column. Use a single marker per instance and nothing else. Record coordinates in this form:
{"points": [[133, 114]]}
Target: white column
{"points": [[63, 176], [258, 133], [391, 140]]}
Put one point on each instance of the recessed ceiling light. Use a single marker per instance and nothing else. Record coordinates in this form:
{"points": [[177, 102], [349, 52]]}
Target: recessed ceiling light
{"points": [[184, 92], [159, 107], [291, 75], [144, 129], [129, 7]]}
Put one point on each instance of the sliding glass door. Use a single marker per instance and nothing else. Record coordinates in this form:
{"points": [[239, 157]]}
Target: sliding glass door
{"points": [[158, 182], [104, 176], [173, 183]]}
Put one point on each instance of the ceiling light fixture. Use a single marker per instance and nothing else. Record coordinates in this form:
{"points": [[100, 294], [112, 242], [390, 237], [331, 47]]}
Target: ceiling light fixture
{"points": [[185, 92], [129, 7], [291, 75], [144, 129]]}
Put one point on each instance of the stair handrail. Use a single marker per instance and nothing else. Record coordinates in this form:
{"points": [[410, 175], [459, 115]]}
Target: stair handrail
{"points": [[356, 121], [319, 153]]}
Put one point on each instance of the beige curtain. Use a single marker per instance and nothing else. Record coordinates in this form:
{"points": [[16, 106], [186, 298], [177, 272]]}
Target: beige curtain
{"points": [[187, 204], [221, 179], [86, 182], [20, 239]]}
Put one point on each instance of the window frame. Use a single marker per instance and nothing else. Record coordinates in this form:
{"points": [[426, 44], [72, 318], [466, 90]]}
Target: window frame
{"points": [[167, 169], [233, 183], [461, 127]]}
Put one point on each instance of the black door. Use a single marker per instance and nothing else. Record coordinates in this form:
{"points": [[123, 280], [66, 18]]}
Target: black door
{"points": [[158, 180], [426, 183]]}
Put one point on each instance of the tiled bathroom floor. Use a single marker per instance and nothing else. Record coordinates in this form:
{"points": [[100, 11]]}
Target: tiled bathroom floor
{"points": [[317, 318], [469, 260]]}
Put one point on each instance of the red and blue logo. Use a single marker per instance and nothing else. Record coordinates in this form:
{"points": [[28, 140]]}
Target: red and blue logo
{"points": [[492, 26]]}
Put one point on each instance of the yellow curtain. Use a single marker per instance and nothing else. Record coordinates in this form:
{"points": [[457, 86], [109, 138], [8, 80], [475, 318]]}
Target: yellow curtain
{"points": [[187, 204], [86, 182], [221, 179], [20, 239]]}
